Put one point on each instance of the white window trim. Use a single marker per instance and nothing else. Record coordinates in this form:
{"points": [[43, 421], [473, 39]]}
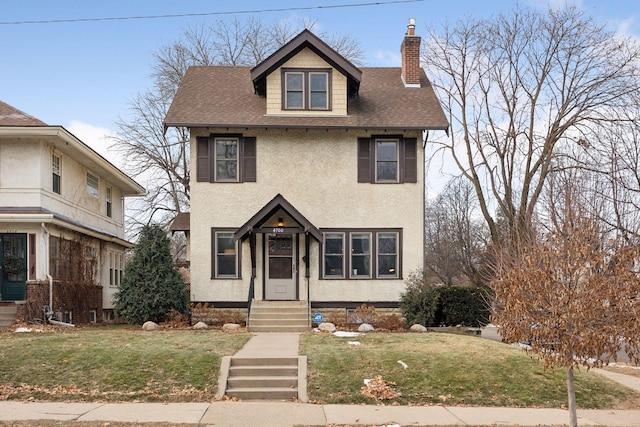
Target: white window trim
{"points": [[56, 169], [116, 268], [91, 189], [109, 202]]}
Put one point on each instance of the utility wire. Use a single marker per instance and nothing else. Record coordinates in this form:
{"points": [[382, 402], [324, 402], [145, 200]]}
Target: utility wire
{"points": [[184, 15]]}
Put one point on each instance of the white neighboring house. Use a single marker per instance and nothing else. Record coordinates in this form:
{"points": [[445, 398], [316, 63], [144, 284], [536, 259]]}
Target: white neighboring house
{"points": [[61, 221], [307, 176]]}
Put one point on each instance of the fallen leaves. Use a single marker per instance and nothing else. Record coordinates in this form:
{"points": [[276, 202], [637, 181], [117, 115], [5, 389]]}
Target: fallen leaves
{"points": [[379, 389], [73, 392]]}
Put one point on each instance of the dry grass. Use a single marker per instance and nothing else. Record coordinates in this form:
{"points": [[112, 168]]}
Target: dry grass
{"points": [[114, 364], [447, 369]]}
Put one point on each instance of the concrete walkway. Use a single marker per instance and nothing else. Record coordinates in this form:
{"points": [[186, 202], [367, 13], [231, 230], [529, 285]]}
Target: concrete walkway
{"points": [[271, 344], [286, 414]]}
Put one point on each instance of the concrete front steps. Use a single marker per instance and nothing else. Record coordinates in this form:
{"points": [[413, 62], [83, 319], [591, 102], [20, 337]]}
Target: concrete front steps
{"points": [[8, 313], [265, 378], [279, 316]]}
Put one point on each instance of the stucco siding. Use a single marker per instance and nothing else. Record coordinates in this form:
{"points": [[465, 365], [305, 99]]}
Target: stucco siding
{"points": [[26, 181], [19, 166], [316, 171], [75, 202]]}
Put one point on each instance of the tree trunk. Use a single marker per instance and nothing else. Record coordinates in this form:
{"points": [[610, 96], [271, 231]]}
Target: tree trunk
{"points": [[571, 392]]}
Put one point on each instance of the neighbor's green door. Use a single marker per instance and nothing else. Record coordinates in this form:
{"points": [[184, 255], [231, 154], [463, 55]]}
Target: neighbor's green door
{"points": [[13, 264]]}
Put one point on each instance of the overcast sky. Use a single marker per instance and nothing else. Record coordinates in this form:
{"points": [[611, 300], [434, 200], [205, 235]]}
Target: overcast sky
{"points": [[82, 74]]}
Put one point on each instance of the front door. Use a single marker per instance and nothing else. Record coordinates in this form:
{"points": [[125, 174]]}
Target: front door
{"points": [[13, 263], [280, 268]]}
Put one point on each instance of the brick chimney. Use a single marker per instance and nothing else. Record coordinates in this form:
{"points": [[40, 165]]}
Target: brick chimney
{"points": [[410, 50]]}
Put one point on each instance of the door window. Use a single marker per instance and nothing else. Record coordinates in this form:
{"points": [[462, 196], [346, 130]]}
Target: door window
{"points": [[280, 257]]}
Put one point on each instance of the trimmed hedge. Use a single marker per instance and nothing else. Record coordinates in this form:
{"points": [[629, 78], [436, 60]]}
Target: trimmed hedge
{"points": [[419, 301], [462, 305], [430, 305]]}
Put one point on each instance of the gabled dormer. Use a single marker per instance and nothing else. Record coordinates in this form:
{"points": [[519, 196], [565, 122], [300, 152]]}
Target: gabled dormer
{"points": [[306, 77]]}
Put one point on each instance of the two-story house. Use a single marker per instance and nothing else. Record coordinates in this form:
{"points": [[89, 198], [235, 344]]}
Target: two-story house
{"points": [[61, 221], [307, 178]]}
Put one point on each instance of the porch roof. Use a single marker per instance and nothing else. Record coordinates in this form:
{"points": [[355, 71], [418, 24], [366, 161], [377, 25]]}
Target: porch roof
{"points": [[278, 202]]}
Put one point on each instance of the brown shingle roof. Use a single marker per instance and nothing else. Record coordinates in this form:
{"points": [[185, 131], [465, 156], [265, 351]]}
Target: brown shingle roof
{"points": [[182, 222], [10, 116], [306, 39], [224, 96]]}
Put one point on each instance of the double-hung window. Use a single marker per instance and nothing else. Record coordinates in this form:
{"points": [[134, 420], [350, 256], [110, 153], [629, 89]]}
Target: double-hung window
{"points": [[306, 89], [226, 159], [56, 173], [294, 89], [225, 255], [116, 268], [318, 91], [92, 185], [387, 252], [360, 254], [386, 160], [372, 254], [334, 255], [108, 200]]}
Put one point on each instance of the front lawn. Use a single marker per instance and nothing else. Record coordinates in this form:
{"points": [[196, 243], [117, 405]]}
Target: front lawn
{"points": [[117, 364], [447, 369], [114, 364]]}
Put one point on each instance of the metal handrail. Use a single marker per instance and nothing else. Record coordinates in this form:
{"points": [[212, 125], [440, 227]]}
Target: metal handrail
{"points": [[250, 299], [308, 303]]}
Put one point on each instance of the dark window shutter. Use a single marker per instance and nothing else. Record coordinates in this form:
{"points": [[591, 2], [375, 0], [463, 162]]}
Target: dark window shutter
{"points": [[410, 160], [249, 159], [203, 166], [364, 160]]}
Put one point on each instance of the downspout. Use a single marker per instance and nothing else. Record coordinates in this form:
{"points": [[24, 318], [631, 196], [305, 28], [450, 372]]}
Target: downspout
{"points": [[307, 275], [49, 310], [45, 245]]}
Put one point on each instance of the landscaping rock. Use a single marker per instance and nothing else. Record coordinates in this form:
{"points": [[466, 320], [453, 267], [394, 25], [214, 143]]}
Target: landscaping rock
{"points": [[200, 325], [365, 327], [327, 327], [150, 326], [230, 327], [417, 328]]}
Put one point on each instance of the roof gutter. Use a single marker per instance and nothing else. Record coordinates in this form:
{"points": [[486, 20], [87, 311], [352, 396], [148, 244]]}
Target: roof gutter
{"points": [[51, 219], [305, 126]]}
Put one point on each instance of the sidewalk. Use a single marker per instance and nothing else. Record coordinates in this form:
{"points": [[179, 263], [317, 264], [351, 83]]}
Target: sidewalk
{"points": [[287, 414]]}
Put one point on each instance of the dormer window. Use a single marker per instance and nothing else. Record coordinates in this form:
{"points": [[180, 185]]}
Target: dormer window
{"points": [[304, 89]]}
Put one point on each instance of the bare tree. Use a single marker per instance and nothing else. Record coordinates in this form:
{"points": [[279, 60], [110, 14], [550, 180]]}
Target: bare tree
{"points": [[160, 157], [574, 295], [610, 168], [521, 89], [455, 238]]}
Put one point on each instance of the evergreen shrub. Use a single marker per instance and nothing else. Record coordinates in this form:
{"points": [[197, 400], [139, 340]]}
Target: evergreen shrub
{"points": [[151, 287]]}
